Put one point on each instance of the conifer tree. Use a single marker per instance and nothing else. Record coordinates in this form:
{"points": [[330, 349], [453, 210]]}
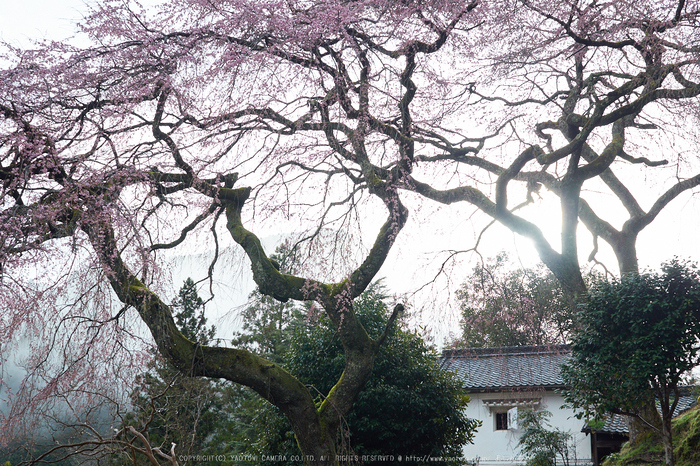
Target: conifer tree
{"points": [[171, 407]]}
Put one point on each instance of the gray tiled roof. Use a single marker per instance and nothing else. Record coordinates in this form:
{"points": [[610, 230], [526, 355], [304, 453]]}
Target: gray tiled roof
{"points": [[616, 424], [507, 368]]}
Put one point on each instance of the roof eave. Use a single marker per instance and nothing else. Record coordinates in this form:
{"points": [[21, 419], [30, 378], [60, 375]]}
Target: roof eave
{"points": [[519, 388]]}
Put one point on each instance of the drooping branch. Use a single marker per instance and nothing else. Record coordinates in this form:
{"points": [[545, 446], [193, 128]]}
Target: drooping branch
{"points": [[268, 379]]}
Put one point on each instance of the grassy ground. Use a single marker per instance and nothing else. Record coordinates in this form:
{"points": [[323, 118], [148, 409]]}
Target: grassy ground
{"points": [[649, 452]]}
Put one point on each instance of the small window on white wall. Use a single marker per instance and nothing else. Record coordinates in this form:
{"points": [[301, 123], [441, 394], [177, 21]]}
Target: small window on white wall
{"points": [[507, 420], [501, 421], [505, 410]]}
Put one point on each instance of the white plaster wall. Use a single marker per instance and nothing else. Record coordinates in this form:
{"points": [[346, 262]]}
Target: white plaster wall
{"points": [[499, 447]]}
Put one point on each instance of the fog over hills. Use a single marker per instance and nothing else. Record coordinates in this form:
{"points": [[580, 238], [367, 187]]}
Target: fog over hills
{"points": [[231, 284]]}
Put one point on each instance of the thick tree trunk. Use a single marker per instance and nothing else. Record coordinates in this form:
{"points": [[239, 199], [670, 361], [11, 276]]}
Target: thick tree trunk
{"points": [[648, 426], [667, 436]]}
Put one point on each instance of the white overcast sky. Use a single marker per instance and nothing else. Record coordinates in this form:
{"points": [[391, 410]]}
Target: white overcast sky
{"points": [[21, 20]]}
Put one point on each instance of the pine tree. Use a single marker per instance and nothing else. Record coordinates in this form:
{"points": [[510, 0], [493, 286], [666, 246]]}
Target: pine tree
{"points": [[190, 314]]}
